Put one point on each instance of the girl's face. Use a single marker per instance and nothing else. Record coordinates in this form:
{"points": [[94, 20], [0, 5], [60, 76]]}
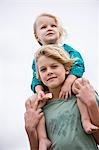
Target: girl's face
{"points": [[47, 30], [52, 73]]}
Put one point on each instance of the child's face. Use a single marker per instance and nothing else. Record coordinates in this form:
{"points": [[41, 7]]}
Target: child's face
{"points": [[47, 30], [52, 73]]}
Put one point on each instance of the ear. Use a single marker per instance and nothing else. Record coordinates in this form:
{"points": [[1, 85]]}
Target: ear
{"points": [[67, 70], [38, 40], [36, 37]]}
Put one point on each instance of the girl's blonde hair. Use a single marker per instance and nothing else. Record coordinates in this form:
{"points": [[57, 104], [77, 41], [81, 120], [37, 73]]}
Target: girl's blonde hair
{"points": [[54, 52], [61, 29]]}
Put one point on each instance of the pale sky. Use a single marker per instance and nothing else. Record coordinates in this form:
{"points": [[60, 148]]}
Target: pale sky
{"points": [[17, 45]]}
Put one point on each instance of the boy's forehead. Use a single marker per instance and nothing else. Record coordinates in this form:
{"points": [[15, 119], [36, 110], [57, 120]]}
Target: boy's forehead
{"points": [[44, 60]]}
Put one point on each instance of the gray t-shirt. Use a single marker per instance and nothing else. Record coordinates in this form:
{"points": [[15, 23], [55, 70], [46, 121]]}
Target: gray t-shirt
{"points": [[64, 128]]}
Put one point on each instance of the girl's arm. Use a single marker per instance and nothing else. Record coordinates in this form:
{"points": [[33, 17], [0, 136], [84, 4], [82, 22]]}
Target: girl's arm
{"points": [[76, 71], [36, 85], [78, 68], [67, 86]]}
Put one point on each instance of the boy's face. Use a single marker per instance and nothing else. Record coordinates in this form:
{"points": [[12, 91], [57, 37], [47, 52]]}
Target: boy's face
{"points": [[52, 73], [47, 30]]}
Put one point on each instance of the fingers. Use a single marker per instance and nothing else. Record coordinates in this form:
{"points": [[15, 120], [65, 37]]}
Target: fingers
{"points": [[41, 115], [69, 93], [36, 103], [31, 103], [45, 98], [75, 90], [60, 95], [48, 96], [77, 85], [28, 104], [64, 95], [41, 95], [85, 81]]}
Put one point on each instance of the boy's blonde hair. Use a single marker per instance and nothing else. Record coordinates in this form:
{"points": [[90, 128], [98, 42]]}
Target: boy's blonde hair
{"points": [[54, 52], [61, 29]]}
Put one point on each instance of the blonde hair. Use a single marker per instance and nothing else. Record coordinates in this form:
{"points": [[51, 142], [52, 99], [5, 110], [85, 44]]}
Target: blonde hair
{"points": [[61, 29], [54, 52]]}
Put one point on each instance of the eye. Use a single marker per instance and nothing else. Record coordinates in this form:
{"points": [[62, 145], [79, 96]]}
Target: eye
{"points": [[42, 69], [43, 27], [54, 25], [54, 66]]}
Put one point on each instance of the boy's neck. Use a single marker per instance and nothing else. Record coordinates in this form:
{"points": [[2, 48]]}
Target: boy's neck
{"points": [[55, 92]]}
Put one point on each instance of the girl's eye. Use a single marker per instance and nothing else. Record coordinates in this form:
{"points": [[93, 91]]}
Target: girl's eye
{"points": [[43, 27], [53, 25]]}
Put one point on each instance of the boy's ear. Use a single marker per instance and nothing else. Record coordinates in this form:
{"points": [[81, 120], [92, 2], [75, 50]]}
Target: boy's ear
{"points": [[67, 70]]}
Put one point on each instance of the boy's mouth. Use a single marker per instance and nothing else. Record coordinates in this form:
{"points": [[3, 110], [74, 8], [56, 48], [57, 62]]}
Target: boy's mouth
{"points": [[51, 78]]}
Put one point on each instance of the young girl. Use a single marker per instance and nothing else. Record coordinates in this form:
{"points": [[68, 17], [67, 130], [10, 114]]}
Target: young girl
{"points": [[63, 123], [50, 73], [47, 30]]}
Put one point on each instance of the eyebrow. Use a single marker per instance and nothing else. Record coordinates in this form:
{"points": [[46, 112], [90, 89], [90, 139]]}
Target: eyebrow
{"points": [[50, 64], [41, 67]]}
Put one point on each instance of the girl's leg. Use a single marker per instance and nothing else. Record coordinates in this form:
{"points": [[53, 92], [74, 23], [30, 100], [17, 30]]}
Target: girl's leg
{"points": [[44, 142], [86, 122]]}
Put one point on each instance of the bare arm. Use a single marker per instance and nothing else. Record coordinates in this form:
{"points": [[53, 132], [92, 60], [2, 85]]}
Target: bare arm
{"points": [[32, 137], [86, 94], [66, 88], [93, 110], [32, 116]]}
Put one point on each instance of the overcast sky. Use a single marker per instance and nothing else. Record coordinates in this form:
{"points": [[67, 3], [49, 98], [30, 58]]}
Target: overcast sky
{"points": [[17, 46]]}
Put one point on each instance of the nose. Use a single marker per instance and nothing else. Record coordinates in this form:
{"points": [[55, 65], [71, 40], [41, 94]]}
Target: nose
{"points": [[49, 71], [49, 28]]}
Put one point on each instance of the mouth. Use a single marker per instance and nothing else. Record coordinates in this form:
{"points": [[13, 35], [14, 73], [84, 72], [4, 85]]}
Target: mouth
{"points": [[51, 78], [50, 33]]}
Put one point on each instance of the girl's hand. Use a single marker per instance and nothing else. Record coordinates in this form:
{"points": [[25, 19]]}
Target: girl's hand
{"points": [[67, 87], [40, 95], [65, 91], [42, 100]]}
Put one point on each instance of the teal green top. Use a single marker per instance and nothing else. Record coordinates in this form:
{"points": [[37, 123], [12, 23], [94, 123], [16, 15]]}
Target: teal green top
{"points": [[64, 126], [77, 69]]}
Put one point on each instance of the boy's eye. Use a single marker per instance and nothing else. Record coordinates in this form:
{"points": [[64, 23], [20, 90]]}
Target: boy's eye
{"points": [[54, 66], [43, 69]]}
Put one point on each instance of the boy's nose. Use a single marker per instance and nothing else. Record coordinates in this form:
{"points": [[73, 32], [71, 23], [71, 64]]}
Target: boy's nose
{"points": [[49, 71]]}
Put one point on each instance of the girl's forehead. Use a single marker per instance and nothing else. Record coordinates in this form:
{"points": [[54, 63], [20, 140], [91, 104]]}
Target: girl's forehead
{"points": [[43, 19]]}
